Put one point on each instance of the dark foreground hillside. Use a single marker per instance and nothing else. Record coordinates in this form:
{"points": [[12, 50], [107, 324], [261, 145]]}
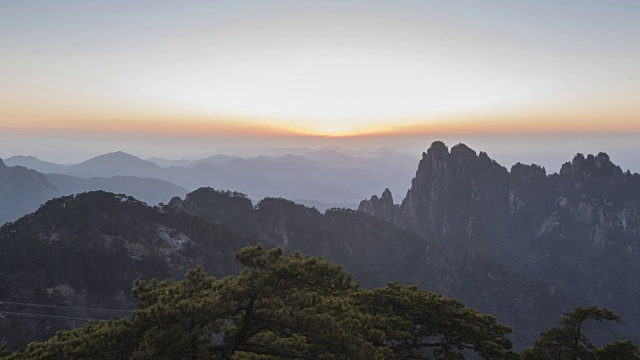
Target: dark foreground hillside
{"points": [[86, 250]]}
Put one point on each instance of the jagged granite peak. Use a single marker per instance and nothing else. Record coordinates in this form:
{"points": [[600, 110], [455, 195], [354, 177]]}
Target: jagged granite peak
{"points": [[527, 172], [386, 195], [579, 228], [381, 207], [599, 165], [443, 177]]}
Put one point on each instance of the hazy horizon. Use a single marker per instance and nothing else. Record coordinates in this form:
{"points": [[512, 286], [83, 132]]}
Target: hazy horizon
{"points": [[548, 150]]}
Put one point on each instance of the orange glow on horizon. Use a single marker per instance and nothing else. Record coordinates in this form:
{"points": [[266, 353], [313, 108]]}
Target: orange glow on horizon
{"points": [[260, 127], [497, 125], [192, 124]]}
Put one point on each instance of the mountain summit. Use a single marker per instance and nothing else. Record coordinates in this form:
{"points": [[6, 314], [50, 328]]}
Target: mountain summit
{"points": [[118, 162]]}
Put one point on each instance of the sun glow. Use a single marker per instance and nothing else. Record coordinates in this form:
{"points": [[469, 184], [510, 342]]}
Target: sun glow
{"points": [[321, 69]]}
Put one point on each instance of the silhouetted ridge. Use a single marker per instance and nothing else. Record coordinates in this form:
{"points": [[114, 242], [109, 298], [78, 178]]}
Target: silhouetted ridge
{"points": [[526, 172], [377, 252], [599, 165]]}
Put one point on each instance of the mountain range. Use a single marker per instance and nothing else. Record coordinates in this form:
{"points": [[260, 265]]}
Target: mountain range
{"points": [[520, 244], [325, 177], [579, 228], [23, 190]]}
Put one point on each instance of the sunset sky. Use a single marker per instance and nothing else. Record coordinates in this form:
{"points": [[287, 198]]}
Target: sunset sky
{"points": [[187, 77]]}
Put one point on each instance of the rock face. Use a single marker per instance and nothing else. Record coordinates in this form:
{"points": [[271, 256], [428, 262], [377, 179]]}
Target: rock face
{"points": [[579, 228], [451, 195], [22, 191]]}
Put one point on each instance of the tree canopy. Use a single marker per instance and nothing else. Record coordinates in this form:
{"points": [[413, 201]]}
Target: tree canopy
{"points": [[568, 341], [282, 306]]}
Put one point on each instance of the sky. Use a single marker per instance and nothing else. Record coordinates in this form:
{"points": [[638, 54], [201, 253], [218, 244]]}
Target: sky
{"points": [[180, 78]]}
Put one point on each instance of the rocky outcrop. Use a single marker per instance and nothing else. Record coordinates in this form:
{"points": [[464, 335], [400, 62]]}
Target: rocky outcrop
{"points": [[579, 228], [450, 196], [381, 207], [599, 165]]}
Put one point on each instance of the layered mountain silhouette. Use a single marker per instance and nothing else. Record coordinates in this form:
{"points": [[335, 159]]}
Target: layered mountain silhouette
{"points": [[326, 176], [377, 252], [218, 159], [521, 244], [34, 163], [22, 191], [151, 191], [578, 228]]}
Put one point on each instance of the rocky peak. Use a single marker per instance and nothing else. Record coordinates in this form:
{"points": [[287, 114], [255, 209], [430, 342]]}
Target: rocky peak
{"points": [[443, 177], [387, 197], [2, 164], [381, 207], [437, 148], [573, 167], [463, 160], [434, 163], [590, 166], [463, 152], [528, 173]]}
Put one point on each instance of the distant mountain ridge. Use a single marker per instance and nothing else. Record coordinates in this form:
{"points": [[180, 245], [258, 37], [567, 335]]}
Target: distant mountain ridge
{"points": [[34, 163], [309, 175], [22, 191], [579, 228], [151, 191]]}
